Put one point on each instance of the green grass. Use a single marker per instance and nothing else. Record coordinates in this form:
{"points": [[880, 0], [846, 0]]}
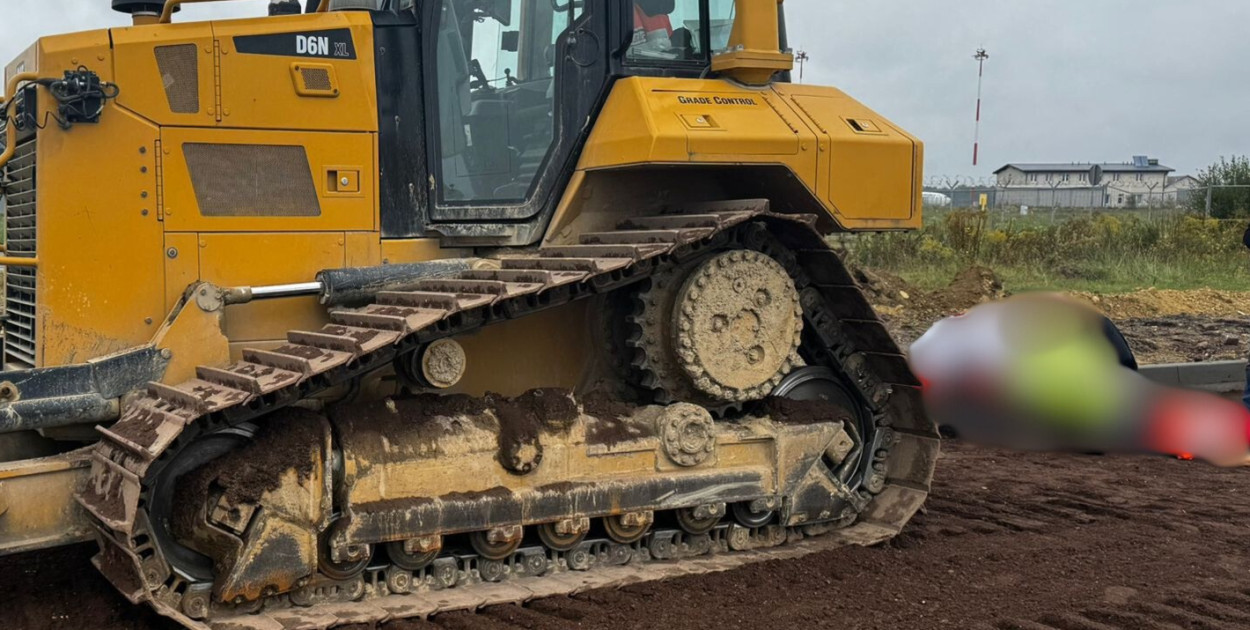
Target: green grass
{"points": [[1119, 279], [1077, 251]]}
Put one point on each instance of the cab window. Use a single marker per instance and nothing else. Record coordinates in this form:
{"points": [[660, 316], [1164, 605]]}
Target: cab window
{"points": [[667, 31], [496, 71]]}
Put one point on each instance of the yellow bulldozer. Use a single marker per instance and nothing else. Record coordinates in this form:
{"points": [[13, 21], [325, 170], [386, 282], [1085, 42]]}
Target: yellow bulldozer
{"points": [[373, 309]]}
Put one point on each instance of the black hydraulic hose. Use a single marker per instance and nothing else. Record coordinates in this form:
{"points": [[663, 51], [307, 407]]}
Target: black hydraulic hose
{"points": [[354, 286]]}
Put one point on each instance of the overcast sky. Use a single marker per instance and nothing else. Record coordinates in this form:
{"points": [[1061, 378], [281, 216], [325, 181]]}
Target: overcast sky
{"points": [[1068, 80]]}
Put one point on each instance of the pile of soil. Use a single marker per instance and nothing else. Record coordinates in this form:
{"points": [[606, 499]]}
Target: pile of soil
{"points": [[908, 311], [1166, 303], [893, 296], [1162, 326], [282, 444]]}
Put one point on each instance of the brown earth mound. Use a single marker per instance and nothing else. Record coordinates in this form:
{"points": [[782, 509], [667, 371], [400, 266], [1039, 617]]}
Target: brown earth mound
{"points": [[894, 297], [1162, 326], [1167, 303]]}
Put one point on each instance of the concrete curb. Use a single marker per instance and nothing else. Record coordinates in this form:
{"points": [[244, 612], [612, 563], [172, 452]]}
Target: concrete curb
{"points": [[1222, 377]]}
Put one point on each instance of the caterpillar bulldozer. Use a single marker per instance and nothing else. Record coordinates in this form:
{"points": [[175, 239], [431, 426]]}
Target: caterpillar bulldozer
{"points": [[391, 307]]}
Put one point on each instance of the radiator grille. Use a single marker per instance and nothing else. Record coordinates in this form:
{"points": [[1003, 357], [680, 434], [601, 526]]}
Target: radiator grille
{"points": [[19, 325], [180, 74], [316, 79], [252, 180], [20, 229]]}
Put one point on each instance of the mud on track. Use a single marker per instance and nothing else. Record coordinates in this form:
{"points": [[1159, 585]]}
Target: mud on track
{"points": [[1028, 542]]}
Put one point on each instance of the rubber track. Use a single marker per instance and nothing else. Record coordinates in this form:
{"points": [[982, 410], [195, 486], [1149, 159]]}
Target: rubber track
{"points": [[359, 341]]}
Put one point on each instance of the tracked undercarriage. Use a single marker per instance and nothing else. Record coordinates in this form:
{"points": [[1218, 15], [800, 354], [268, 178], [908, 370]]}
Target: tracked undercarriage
{"points": [[228, 502]]}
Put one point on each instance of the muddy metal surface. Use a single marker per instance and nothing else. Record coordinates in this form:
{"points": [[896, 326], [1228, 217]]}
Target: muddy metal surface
{"points": [[1007, 542]]}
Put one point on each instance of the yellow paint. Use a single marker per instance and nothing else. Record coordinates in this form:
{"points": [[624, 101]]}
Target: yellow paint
{"points": [[140, 77], [230, 260], [247, 90], [193, 337], [101, 259], [364, 249], [257, 90], [754, 55], [866, 175], [396, 252], [338, 212], [10, 118], [37, 507], [501, 359], [181, 270], [866, 180]]}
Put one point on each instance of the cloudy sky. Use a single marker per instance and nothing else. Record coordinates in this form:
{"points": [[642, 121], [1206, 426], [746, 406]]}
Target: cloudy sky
{"points": [[1068, 80]]}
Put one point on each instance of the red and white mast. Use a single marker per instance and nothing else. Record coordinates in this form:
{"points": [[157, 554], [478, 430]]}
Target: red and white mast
{"points": [[981, 57]]}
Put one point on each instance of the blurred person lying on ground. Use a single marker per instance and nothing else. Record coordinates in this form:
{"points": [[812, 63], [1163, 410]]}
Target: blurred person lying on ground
{"points": [[1043, 372]]}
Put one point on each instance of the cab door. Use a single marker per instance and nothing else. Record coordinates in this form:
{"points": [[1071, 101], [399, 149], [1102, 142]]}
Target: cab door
{"points": [[510, 89]]}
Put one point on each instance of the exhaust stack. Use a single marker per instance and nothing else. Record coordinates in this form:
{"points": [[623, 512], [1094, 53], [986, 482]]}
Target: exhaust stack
{"points": [[141, 11]]}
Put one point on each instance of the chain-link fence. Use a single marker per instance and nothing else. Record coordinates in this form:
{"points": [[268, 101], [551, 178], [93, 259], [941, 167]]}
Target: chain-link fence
{"points": [[975, 193]]}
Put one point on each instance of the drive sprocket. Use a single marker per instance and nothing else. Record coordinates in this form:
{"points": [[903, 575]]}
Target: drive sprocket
{"points": [[722, 330]]}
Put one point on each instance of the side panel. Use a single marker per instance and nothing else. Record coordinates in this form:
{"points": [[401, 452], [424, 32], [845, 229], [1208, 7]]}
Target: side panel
{"points": [[263, 62], [101, 286], [865, 159], [312, 72], [865, 179], [204, 193], [166, 74], [262, 259]]}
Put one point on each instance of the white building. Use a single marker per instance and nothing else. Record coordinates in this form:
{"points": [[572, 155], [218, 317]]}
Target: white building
{"points": [[1140, 183]]}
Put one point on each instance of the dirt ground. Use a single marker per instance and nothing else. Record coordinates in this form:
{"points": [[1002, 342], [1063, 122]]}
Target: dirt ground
{"points": [[1162, 326], [1007, 541]]}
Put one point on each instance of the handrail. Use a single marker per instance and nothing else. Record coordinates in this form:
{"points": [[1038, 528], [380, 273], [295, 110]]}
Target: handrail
{"points": [[10, 261], [10, 126], [167, 15]]}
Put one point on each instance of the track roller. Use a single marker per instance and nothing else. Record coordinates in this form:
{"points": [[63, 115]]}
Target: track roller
{"points": [[498, 543], [564, 535], [342, 564], [702, 519], [753, 514], [630, 528], [414, 555]]}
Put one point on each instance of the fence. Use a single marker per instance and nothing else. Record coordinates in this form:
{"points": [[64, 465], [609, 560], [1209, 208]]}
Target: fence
{"points": [[1089, 197]]}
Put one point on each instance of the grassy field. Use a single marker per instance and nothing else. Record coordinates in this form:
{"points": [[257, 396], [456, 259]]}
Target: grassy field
{"points": [[1105, 252]]}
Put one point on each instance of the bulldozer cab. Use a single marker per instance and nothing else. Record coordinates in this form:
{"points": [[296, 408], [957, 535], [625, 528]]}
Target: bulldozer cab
{"points": [[507, 89]]}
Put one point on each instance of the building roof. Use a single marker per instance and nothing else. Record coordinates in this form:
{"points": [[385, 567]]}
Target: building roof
{"points": [[1172, 181], [1085, 168]]}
